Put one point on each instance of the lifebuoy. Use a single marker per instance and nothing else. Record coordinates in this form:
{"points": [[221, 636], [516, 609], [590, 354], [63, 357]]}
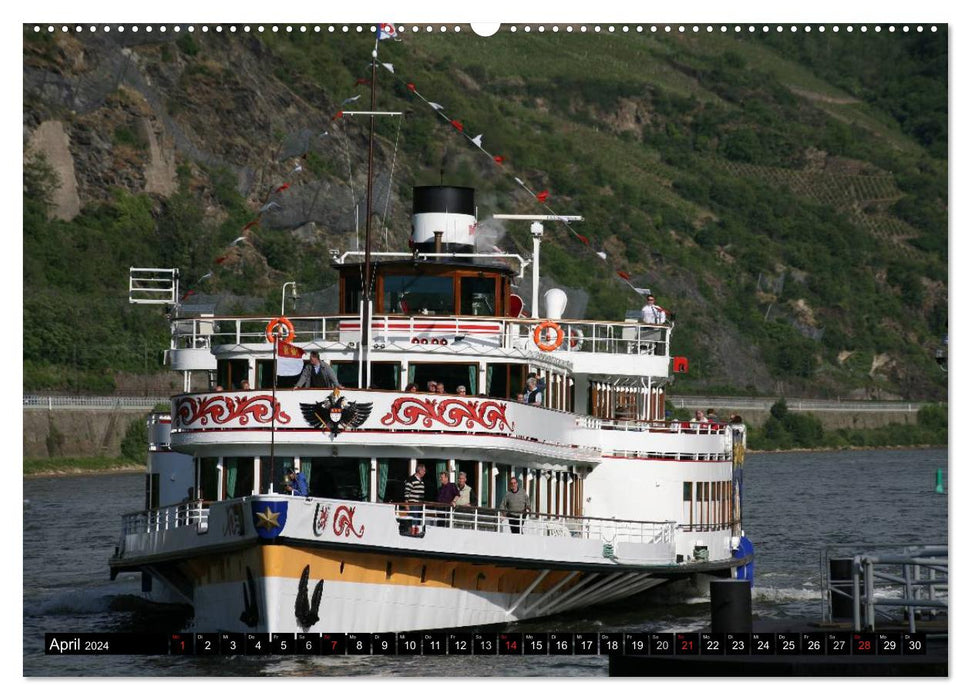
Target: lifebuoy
{"points": [[541, 329], [576, 337], [272, 326]]}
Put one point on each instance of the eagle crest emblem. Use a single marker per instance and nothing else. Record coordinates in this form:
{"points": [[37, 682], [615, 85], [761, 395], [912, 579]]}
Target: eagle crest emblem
{"points": [[336, 413]]}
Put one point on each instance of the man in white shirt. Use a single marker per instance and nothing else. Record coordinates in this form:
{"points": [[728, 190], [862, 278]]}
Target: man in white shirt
{"points": [[653, 314]]}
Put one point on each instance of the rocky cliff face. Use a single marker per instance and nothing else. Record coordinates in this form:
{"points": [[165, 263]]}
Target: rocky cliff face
{"points": [[244, 125]]}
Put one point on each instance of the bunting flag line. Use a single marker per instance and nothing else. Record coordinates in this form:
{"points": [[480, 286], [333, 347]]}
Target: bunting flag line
{"points": [[387, 31], [542, 197]]}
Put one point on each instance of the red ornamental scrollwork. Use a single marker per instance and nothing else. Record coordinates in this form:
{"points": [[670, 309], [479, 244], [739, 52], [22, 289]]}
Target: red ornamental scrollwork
{"points": [[223, 409], [450, 413], [344, 522]]}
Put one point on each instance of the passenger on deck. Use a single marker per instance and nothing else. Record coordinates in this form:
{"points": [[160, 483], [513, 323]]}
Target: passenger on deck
{"points": [[534, 390], [447, 493], [440, 389], [463, 501], [699, 417], [652, 313], [296, 482], [515, 504], [317, 374], [244, 385], [218, 387], [414, 493], [655, 315], [521, 398], [415, 486], [460, 390], [464, 497], [412, 388], [712, 416], [432, 386]]}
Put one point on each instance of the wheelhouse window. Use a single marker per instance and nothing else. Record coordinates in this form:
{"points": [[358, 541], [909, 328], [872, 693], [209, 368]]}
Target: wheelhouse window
{"points": [[418, 295], [478, 296], [350, 293]]}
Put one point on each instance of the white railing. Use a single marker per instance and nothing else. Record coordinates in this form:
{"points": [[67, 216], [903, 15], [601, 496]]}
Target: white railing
{"points": [[421, 515], [52, 402], [193, 515], [610, 337], [764, 404]]}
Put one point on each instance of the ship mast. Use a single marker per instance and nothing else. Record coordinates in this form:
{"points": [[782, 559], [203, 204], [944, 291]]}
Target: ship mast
{"points": [[364, 372]]}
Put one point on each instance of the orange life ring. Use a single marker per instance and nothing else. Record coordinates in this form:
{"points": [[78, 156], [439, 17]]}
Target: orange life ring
{"points": [[541, 329], [280, 321], [576, 337]]}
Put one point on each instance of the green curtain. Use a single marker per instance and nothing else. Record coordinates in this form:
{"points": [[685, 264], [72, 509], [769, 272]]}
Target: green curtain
{"points": [[365, 469], [488, 386], [502, 483], [439, 468], [382, 478], [230, 480], [306, 468], [411, 374], [473, 375]]}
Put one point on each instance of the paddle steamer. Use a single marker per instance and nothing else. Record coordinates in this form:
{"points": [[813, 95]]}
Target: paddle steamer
{"points": [[620, 499]]}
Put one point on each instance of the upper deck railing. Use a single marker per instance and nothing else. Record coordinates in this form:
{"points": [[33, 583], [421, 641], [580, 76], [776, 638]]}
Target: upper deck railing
{"points": [[422, 515], [428, 333]]}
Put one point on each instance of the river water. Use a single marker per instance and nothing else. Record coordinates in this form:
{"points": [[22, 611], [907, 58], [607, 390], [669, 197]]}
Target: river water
{"points": [[795, 504]]}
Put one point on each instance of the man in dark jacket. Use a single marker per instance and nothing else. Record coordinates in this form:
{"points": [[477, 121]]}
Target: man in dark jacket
{"points": [[317, 374]]}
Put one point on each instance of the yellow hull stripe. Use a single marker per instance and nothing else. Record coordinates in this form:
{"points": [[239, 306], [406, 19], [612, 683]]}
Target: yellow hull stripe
{"points": [[286, 561]]}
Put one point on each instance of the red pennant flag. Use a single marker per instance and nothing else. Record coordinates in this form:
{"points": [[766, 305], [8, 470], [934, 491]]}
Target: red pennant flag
{"points": [[251, 224], [338, 115], [188, 294], [362, 81], [623, 274], [498, 159], [680, 364], [220, 260], [457, 124], [584, 239], [410, 86], [542, 196], [284, 186]]}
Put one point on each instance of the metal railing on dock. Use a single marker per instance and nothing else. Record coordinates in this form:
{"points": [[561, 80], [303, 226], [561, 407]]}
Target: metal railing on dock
{"points": [[893, 583]]}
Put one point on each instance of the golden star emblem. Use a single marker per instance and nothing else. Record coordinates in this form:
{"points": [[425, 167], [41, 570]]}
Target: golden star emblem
{"points": [[268, 519]]}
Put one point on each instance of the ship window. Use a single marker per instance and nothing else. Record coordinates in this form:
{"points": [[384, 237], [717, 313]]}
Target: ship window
{"points": [[478, 296], [452, 375], [392, 474], [418, 295], [231, 373], [238, 473], [336, 477], [208, 478], [351, 297], [264, 377], [274, 471]]}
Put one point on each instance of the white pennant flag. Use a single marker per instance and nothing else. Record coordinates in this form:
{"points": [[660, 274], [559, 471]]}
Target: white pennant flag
{"points": [[478, 140], [603, 255], [388, 66], [435, 105]]}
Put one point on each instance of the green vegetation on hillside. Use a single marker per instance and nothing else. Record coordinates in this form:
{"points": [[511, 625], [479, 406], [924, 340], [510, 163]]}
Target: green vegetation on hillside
{"points": [[786, 430], [787, 194]]}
